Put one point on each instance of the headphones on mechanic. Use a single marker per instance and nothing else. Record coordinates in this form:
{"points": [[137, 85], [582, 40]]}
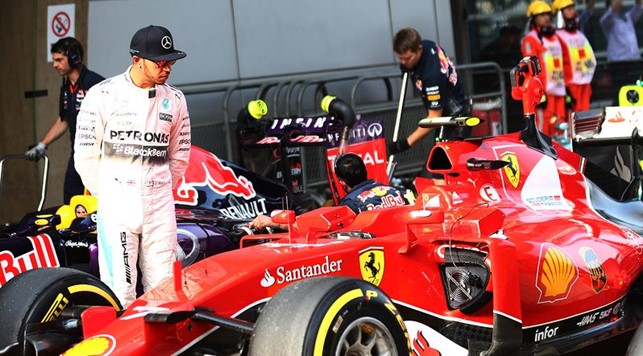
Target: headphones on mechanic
{"points": [[74, 58], [73, 53]]}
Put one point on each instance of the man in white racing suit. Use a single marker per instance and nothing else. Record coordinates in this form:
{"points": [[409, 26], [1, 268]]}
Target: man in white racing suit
{"points": [[132, 146]]}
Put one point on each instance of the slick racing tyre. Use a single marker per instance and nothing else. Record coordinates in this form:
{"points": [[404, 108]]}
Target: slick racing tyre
{"points": [[636, 344], [329, 316], [39, 295]]}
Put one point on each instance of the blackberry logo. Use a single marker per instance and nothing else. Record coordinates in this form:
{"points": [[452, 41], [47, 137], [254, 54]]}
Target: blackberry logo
{"points": [[165, 117]]}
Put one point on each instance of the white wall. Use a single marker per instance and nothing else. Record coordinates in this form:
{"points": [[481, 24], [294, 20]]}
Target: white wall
{"points": [[232, 39]]}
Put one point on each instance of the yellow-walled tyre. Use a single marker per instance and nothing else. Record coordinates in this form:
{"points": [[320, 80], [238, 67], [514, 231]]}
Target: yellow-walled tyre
{"points": [[39, 296], [329, 316]]}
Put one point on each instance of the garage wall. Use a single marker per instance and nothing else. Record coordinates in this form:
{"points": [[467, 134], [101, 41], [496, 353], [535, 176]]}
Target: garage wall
{"points": [[243, 39]]}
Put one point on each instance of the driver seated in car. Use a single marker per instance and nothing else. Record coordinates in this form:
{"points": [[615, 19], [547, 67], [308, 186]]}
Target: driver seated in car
{"points": [[363, 193]]}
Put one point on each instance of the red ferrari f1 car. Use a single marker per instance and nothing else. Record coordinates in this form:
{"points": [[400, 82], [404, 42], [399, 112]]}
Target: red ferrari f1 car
{"points": [[515, 255]]}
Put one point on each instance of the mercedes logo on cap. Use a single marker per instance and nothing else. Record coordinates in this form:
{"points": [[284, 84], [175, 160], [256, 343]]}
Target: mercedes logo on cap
{"points": [[166, 42]]}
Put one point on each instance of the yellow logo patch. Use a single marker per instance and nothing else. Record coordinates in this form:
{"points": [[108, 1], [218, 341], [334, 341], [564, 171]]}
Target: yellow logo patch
{"points": [[512, 170], [96, 345], [371, 261], [556, 275]]}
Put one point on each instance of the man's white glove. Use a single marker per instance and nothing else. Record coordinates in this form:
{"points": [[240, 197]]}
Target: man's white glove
{"points": [[36, 152]]}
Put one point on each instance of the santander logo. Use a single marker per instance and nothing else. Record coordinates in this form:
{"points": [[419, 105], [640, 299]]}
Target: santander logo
{"points": [[267, 280], [284, 274]]}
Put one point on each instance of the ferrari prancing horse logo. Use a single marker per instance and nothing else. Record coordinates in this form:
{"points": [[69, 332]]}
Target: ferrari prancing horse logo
{"points": [[512, 170], [371, 261]]}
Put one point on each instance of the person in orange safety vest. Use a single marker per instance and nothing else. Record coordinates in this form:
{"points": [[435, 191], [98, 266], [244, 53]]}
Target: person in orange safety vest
{"points": [[579, 61], [541, 41]]}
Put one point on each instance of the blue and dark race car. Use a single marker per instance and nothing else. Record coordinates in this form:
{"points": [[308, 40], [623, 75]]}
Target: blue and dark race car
{"points": [[214, 200]]}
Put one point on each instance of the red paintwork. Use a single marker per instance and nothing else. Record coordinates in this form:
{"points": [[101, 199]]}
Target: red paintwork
{"points": [[543, 213]]}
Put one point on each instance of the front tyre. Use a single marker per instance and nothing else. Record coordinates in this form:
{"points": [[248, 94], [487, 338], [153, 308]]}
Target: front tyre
{"points": [[330, 316], [40, 295], [636, 344]]}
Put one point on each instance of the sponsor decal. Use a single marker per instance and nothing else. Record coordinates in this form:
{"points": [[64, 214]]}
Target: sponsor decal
{"points": [[76, 244], [166, 104], [372, 262], [375, 130], [545, 202], [598, 315], [512, 170], [128, 272], [59, 304], [596, 270], [246, 210], [165, 117], [96, 345], [546, 333], [135, 135], [433, 97], [287, 274], [369, 158], [42, 254], [556, 274], [210, 172], [363, 131], [559, 328], [489, 193], [303, 122], [298, 139]]}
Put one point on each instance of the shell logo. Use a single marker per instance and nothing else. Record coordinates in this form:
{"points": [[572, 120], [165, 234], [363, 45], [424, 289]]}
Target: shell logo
{"points": [[96, 345], [556, 274]]}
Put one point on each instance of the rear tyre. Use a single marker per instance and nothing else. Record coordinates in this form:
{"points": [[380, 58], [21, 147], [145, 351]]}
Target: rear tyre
{"points": [[40, 295], [330, 316]]}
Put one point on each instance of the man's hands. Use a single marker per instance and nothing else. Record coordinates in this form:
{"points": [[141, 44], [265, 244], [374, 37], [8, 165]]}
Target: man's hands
{"points": [[261, 222], [396, 147], [36, 152]]}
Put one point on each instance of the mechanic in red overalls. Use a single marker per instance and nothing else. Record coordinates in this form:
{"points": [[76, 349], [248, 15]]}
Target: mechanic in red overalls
{"points": [[541, 41], [579, 61]]}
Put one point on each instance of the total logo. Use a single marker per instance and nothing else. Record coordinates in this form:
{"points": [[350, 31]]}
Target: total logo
{"points": [[285, 274]]}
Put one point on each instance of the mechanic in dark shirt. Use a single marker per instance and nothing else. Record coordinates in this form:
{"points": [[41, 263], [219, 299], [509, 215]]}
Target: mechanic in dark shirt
{"points": [[435, 77], [363, 193], [67, 55]]}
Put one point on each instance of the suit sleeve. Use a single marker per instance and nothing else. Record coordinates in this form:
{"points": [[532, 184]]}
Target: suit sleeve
{"points": [[90, 128], [180, 142]]}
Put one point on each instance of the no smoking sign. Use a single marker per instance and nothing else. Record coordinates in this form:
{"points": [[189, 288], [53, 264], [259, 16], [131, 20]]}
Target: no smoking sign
{"points": [[60, 24]]}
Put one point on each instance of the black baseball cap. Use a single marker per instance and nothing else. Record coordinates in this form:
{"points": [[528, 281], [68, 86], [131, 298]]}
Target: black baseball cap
{"points": [[154, 43]]}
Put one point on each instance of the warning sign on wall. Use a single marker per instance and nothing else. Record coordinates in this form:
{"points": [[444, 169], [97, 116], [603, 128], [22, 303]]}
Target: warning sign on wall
{"points": [[60, 24]]}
